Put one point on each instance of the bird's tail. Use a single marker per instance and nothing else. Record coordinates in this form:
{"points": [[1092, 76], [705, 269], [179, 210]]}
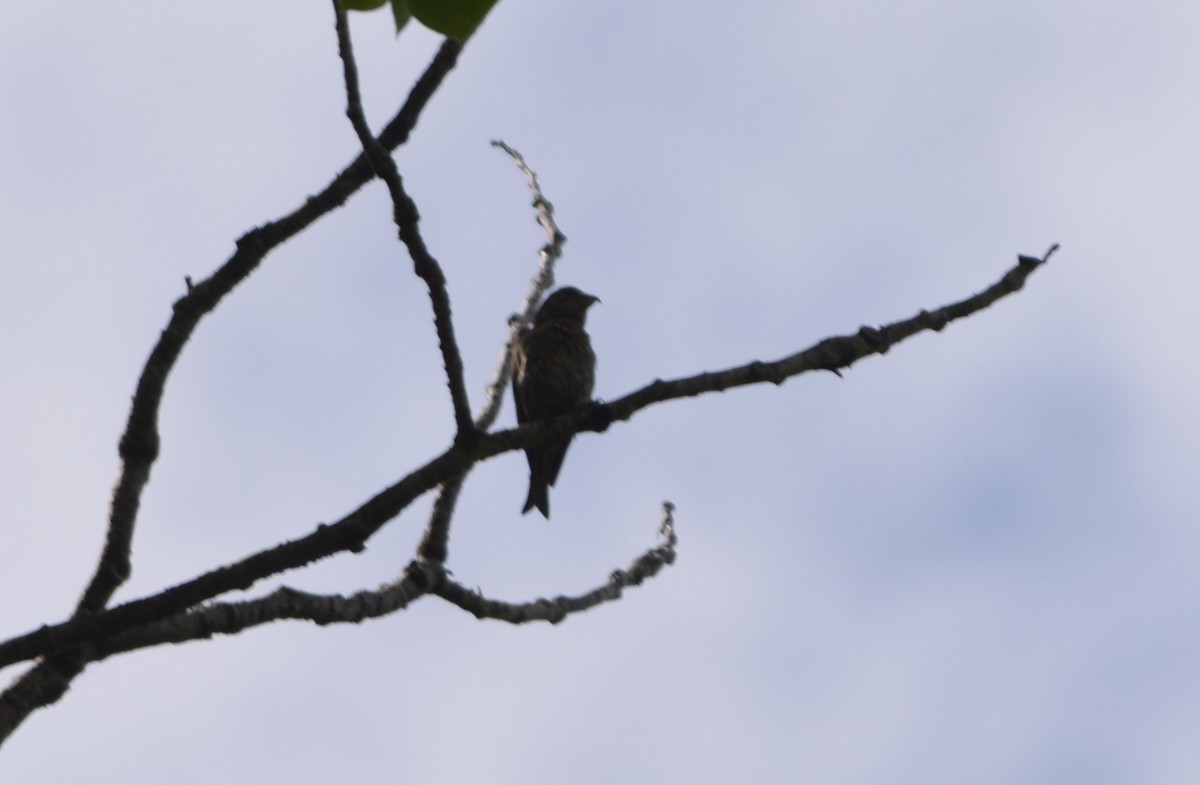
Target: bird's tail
{"points": [[539, 496]]}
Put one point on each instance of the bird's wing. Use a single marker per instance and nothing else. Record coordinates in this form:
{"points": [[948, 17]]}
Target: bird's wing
{"points": [[518, 371]]}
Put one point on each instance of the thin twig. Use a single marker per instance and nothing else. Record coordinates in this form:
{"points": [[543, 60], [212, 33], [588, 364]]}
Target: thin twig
{"points": [[555, 610], [407, 219], [549, 254], [435, 543]]}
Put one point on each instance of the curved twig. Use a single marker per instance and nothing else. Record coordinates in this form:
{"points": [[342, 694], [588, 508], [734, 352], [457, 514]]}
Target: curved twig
{"points": [[555, 610], [549, 253]]}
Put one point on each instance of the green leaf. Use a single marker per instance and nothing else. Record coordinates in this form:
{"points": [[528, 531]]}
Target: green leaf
{"points": [[453, 18], [401, 14], [362, 5]]}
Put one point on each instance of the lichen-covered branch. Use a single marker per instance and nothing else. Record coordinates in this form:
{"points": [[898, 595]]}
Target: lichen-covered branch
{"points": [[230, 618], [421, 578], [555, 610]]}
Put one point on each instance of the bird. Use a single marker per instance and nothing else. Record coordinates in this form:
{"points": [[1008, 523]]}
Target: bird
{"points": [[554, 370]]}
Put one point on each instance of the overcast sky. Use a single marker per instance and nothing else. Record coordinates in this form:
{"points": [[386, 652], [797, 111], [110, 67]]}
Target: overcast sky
{"points": [[972, 560]]}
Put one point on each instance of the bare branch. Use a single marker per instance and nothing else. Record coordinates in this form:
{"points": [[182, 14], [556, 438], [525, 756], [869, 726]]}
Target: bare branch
{"points": [[831, 354], [352, 531], [404, 213], [41, 685], [349, 534], [435, 543], [48, 681], [230, 618], [557, 609], [188, 611], [419, 579], [139, 444]]}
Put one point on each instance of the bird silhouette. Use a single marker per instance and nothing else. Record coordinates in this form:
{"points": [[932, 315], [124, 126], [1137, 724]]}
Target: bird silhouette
{"points": [[554, 370]]}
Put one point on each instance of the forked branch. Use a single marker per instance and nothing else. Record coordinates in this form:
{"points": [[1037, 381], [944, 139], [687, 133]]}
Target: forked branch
{"points": [[189, 610], [351, 532]]}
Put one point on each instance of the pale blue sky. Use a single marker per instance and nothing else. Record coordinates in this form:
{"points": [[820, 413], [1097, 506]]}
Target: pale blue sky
{"points": [[972, 560]]}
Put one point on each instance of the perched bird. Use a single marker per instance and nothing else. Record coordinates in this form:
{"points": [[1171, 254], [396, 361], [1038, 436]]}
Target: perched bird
{"points": [[554, 369]]}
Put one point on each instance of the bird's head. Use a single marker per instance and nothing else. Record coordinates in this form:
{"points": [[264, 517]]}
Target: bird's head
{"points": [[567, 304]]}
